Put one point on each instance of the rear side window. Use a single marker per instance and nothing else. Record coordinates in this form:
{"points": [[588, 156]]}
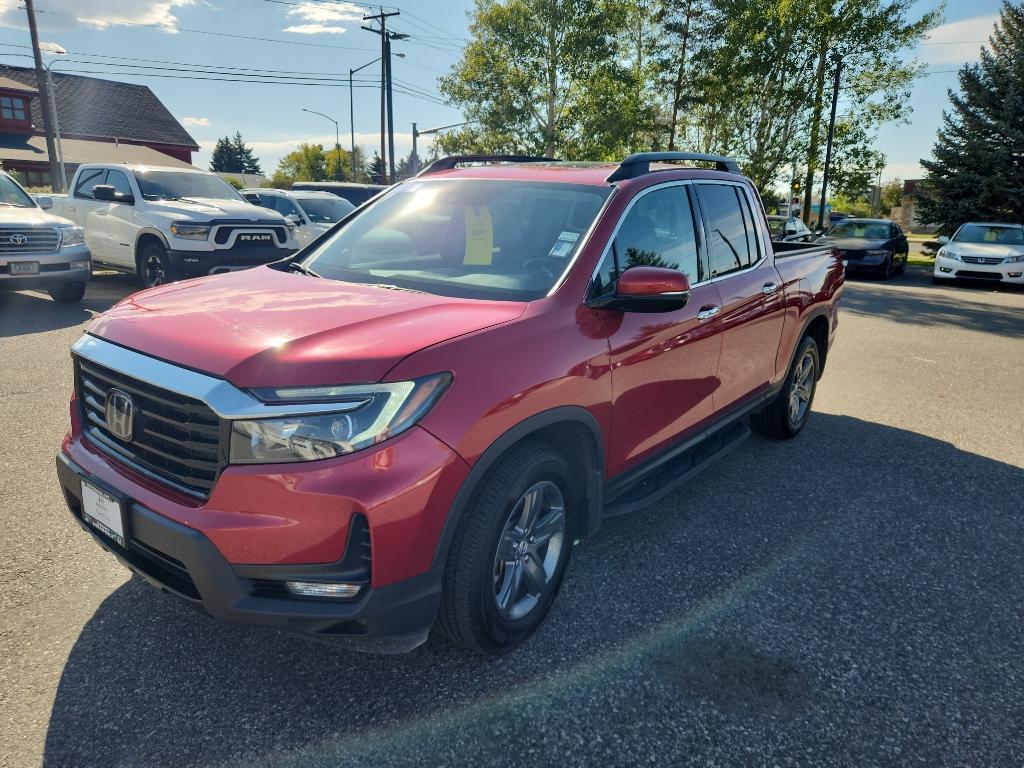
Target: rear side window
{"points": [[89, 179], [732, 244]]}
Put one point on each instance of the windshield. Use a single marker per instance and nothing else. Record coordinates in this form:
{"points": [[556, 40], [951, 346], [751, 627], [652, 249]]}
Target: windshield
{"points": [[860, 230], [777, 224], [172, 185], [983, 233], [472, 238], [12, 195], [325, 210]]}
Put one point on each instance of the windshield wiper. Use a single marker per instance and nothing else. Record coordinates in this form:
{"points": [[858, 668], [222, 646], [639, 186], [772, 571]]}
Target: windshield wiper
{"points": [[295, 266], [393, 287]]}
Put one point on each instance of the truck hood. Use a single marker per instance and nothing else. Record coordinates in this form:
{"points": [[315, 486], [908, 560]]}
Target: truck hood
{"points": [[30, 217], [205, 208], [263, 327]]}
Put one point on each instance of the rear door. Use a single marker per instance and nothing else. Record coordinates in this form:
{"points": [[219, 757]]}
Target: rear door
{"points": [[749, 287], [663, 365]]}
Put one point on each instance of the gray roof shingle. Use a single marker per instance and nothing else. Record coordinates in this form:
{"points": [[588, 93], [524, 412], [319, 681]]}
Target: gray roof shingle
{"points": [[89, 106]]}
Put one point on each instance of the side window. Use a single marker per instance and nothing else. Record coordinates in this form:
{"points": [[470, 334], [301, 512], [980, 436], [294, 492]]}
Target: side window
{"points": [[731, 240], [119, 181], [285, 207], [89, 179]]}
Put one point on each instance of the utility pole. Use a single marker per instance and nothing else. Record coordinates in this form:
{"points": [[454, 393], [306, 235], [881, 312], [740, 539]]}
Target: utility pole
{"points": [[385, 80], [828, 146], [44, 101]]}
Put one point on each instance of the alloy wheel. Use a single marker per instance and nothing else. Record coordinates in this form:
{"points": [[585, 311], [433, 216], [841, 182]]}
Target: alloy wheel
{"points": [[529, 550], [155, 272], [801, 388]]}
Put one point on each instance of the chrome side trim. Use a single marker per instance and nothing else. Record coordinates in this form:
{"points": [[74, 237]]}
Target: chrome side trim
{"points": [[223, 397]]}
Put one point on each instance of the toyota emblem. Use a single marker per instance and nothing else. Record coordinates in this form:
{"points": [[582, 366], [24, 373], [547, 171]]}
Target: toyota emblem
{"points": [[19, 239]]}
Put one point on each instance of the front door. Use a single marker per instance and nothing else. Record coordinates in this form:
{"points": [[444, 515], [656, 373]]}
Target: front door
{"points": [[82, 209], [118, 223], [664, 365]]}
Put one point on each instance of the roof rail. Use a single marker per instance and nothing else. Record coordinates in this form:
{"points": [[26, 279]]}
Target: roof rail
{"points": [[639, 163], [448, 163]]}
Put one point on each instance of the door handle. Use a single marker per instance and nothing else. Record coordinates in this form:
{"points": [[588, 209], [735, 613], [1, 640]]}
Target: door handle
{"points": [[769, 288], [706, 313]]}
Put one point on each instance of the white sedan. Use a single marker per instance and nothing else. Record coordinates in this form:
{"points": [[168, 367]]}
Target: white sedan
{"points": [[311, 213], [982, 251]]}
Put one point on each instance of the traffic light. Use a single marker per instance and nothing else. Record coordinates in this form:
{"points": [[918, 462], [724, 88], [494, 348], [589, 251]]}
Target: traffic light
{"points": [[796, 186]]}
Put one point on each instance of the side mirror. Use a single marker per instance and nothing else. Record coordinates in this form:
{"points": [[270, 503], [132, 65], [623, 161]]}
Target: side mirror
{"points": [[45, 202], [295, 219], [943, 240], [649, 289], [109, 194]]}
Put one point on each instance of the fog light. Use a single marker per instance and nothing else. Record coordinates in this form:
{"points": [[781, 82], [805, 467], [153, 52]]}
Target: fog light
{"points": [[945, 269], [79, 265], [322, 589], [1015, 274]]}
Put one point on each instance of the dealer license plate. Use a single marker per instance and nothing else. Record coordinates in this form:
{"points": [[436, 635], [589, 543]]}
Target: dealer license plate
{"points": [[102, 511]]}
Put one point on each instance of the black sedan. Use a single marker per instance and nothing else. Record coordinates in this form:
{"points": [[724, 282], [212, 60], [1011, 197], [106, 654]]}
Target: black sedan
{"points": [[870, 245]]}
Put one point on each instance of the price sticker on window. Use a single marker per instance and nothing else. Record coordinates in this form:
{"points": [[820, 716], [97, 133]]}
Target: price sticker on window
{"points": [[479, 236]]}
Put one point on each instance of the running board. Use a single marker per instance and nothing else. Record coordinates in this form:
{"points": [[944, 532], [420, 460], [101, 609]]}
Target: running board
{"points": [[668, 476]]}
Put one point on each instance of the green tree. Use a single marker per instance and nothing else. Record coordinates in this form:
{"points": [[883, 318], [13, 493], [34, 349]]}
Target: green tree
{"points": [[891, 196], [375, 171], [307, 163], [533, 74], [232, 155], [976, 170]]}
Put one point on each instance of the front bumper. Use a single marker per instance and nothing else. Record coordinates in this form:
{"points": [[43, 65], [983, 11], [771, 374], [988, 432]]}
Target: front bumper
{"points": [[182, 561], [950, 269], [867, 262], [54, 269], [200, 263]]}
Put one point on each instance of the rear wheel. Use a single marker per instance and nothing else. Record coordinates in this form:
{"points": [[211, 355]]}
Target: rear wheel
{"points": [[154, 266], [788, 412], [70, 293], [510, 551]]}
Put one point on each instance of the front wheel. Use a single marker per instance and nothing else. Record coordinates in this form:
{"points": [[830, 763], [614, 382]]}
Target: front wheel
{"points": [[154, 266], [509, 552], [885, 271], [788, 412], [70, 293]]}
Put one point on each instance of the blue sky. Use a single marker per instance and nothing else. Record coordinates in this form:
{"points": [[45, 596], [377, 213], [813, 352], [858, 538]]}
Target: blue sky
{"points": [[325, 38]]}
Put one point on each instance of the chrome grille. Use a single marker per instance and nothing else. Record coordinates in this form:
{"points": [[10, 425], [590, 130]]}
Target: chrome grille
{"points": [[981, 260], [29, 240], [176, 439]]}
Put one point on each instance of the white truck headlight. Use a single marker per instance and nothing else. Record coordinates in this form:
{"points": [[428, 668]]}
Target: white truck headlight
{"points": [[71, 236], [188, 231], [354, 417]]}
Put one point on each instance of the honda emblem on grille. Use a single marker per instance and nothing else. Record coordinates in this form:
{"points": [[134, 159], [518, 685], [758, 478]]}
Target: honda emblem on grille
{"points": [[120, 414], [19, 239]]}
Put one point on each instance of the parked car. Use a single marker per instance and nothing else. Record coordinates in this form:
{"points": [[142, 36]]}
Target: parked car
{"points": [[312, 213], [870, 245], [790, 229], [164, 224], [357, 194], [979, 250], [39, 250], [413, 421]]}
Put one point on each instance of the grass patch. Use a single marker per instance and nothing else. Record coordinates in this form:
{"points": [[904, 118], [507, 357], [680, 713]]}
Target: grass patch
{"points": [[920, 261]]}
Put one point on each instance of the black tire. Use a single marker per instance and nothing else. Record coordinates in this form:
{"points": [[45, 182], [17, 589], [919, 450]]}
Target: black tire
{"points": [[777, 420], [942, 280], [902, 268], [154, 268], [470, 614], [885, 271], [69, 293]]}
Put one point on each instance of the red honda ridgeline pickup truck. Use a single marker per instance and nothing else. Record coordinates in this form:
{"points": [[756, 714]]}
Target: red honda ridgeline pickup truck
{"points": [[412, 421]]}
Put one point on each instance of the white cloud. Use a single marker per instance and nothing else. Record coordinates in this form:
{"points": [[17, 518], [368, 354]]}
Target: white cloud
{"points": [[902, 171], [324, 19], [200, 121], [957, 41], [99, 14]]}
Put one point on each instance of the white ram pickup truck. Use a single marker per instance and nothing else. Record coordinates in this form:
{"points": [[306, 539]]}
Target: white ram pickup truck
{"points": [[37, 250], [165, 224]]}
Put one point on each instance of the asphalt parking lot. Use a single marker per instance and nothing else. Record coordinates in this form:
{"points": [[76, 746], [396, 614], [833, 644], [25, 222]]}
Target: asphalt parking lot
{"points": [[852, 598]]}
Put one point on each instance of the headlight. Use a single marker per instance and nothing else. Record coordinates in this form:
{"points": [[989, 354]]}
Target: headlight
{"points": [[877, 253], [354, 417], [947, 253], [1014, 259], [190, 231], [71, 236]]}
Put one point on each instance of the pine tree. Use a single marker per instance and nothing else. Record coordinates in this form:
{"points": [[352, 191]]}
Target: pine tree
{"points": [[247, 163], [225, 157], [977, 170], [376, 170]]}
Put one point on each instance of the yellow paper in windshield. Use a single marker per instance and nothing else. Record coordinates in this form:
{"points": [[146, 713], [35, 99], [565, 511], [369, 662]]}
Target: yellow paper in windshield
{"points": [[859, 231], [990, 236], [479, 236]]}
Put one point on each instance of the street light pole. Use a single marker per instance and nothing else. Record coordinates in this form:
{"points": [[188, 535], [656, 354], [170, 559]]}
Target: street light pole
{"points": [[351, 113], [337, 142]]}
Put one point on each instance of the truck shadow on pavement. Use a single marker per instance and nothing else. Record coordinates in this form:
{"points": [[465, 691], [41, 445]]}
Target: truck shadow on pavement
{"points": [[25, 312], [835, 595]]}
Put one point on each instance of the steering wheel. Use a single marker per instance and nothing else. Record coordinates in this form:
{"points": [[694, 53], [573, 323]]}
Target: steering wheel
{"points": [[540, 265]]}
